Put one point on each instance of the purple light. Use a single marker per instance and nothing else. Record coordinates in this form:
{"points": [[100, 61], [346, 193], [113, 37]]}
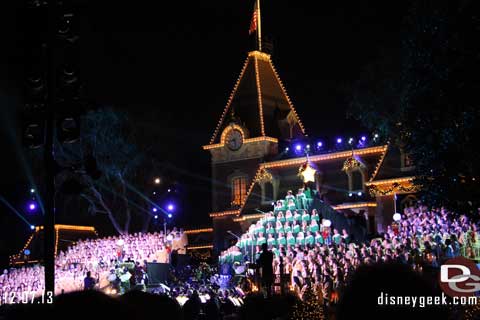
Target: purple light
{"points": [[169, 215], [363, 138], [170, 207], [32, 206], [154, 209], [156, 217], [339, 140], [319, 144], [298, 147]]}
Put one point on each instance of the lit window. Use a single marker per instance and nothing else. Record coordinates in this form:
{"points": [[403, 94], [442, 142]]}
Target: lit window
{"points": [[239, 188]]}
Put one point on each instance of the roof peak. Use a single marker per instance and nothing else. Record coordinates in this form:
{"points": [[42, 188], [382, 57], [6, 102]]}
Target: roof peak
{"points": [[260, 101]]}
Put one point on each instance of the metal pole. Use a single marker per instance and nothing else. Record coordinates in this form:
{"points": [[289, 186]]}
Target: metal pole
{"points": [[259, 32], [49, 222]]}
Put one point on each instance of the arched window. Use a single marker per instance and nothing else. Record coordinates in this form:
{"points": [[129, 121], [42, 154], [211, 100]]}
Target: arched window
{"points": [[357, 180], [239, 190], [268, 192]]}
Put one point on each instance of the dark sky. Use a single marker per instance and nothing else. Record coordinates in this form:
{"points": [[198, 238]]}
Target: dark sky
{"points": [[178, 61]]}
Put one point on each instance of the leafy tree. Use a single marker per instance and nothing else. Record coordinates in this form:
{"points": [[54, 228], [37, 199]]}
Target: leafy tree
{"points": [[107, 170], [424, 99]]}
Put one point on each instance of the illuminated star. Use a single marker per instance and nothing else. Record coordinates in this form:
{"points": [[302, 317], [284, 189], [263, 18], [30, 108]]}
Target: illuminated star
{"points": [[308, 174]]}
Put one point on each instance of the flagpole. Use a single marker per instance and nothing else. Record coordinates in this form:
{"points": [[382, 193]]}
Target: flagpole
{"points": [[259, 29]]}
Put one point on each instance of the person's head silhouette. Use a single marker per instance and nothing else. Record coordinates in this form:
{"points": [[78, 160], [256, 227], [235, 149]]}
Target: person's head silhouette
{"points": [[264, 247]]}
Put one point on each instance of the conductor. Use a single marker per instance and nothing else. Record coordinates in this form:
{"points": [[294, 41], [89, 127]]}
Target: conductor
{"points": [[265, 262]]}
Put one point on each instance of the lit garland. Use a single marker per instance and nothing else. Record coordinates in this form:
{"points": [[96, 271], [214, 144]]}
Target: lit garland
{"points": [[391, 186], [263, 176], [352, 163]]}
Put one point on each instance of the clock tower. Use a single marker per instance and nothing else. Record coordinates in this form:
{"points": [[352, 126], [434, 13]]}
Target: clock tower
{"points": [[257, 116]]}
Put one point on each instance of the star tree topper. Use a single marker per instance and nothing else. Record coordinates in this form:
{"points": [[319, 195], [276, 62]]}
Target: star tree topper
{"points": [[307, 172]]}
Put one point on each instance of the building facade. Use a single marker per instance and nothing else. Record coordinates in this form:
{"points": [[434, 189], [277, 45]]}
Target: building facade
{"points": [[250, 170]]}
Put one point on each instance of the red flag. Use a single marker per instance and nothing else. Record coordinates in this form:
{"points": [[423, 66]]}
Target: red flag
{"points": [[253, 22]]}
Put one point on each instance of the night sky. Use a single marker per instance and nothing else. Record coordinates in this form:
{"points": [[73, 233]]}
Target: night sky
{"points": [[176, 62]]}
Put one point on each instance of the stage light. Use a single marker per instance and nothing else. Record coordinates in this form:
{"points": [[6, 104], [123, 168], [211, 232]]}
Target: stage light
{"points": [[298, 147], [308, 146], [154, 192], [170, 207], [154, 209], [157, 180], [359, 193], [350, 194], [26, 251], [169, 190], [375, 136], [169, 215], [319, 144], [32, 190], [287, 149], [397, 217], [32, 227], [339, 140], [155, 217], [32, 206], [350, 141], [363, 138]]}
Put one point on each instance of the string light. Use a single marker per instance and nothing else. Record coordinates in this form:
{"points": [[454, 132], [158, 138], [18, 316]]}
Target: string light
{"points": [[323, 157], [354, 205], [229, 102], [245, 141], [207, 246], [259, 92], [195, 231], [249, 217], [379, 164], [224, 213], [284, 91]]}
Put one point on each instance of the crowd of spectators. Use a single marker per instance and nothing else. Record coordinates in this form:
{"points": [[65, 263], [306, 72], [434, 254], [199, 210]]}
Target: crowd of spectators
{"points": [[305, 247], [97, 256]]}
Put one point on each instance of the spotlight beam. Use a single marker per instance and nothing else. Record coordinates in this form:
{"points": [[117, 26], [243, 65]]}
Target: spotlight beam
{"points": [[8, 205]]}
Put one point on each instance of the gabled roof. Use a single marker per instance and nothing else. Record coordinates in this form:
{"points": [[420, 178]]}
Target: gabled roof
{"points": [[260, 102]]}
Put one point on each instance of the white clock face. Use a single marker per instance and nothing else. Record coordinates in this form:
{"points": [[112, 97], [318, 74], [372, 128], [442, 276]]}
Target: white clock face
{"points": [[234, 139]]}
